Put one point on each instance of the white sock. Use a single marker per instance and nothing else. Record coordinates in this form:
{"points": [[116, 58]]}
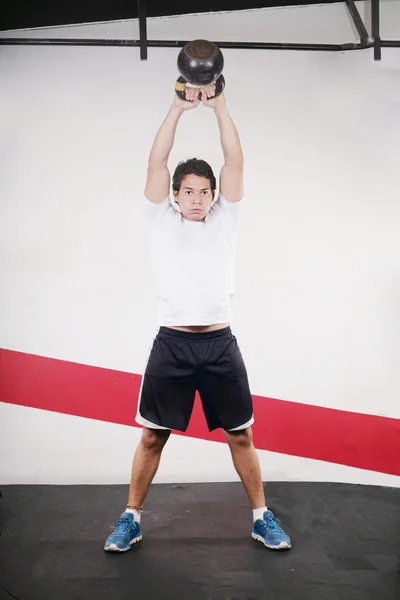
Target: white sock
{"points": [[136, 514], [258, 513]]}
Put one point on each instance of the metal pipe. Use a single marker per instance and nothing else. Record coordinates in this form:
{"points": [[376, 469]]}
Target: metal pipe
{"points": [[358, 22], [65, 42], [142, 29], [177, 44], [278, 46], [376, 29], [390, 43]]}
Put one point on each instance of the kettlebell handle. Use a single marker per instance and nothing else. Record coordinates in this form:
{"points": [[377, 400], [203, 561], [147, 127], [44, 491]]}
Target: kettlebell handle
{"points": [[180, 87]]}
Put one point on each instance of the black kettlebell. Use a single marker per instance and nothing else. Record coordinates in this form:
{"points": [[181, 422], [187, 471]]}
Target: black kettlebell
{"points": [[200, 63]]}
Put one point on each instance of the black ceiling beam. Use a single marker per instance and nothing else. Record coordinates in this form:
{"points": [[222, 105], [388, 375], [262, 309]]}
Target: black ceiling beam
{"points": [[390, 43], [25, 14], [366, 41], [178, 44], [375, 26], [359, 23], [142, 29]]}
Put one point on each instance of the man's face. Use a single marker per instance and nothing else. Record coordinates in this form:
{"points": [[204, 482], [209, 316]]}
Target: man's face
{"points": [[194, 198]]}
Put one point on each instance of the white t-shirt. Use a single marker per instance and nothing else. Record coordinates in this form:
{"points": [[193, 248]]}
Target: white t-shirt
{"points": [[194, 263]]}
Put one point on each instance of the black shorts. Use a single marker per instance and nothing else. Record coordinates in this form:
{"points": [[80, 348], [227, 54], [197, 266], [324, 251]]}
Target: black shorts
{"points": [[181, 363]]}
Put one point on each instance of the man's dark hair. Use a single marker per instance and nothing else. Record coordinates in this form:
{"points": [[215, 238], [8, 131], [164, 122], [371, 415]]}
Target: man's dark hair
{"points": [[193, 166]]}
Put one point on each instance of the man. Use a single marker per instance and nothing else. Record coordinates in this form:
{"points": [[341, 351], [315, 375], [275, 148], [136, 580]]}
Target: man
{"points": [[193, 243]]}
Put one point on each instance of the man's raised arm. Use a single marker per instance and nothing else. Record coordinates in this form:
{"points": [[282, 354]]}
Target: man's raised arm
{"points": [[158, 176], [231, 178]]}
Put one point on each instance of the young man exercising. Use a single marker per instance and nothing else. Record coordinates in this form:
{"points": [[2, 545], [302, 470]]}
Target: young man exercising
{"points": [[193, 242]]}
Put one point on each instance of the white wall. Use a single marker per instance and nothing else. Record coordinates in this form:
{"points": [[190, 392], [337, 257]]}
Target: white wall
{"points": [[317, 314]]}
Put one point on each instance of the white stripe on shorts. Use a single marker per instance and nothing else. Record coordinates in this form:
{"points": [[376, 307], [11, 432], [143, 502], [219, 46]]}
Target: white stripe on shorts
{"points": [[139, 419], [243, 426]]}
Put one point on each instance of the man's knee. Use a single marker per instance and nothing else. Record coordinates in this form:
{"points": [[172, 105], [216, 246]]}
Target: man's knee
{"points": [[154, 439], [239, 439]]}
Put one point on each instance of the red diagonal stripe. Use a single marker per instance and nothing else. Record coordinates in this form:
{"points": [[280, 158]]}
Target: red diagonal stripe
{"points": [[337, 436]]}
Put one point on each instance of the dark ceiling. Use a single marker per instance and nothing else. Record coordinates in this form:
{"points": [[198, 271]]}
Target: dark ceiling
{"points": [[18, 14]]}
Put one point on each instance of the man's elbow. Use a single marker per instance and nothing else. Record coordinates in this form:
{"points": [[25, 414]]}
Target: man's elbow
{"points": [[235, 160], [235, 165], [156, 163]]}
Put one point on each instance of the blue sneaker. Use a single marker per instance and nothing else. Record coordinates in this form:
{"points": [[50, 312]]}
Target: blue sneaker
{"points": [[127, 532], [269, 532]]}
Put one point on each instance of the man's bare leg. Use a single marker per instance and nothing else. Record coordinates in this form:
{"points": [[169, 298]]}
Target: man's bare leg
{"points": [[145, 464], [266, 528], [247, 465]]}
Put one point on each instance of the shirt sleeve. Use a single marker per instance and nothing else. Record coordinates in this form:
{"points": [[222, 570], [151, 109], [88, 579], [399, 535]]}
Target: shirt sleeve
{"points": [[152, 211], [231, 209]]}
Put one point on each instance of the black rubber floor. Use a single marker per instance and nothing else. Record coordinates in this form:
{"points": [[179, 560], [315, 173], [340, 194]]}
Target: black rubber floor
{"points": [[197, 544]]}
